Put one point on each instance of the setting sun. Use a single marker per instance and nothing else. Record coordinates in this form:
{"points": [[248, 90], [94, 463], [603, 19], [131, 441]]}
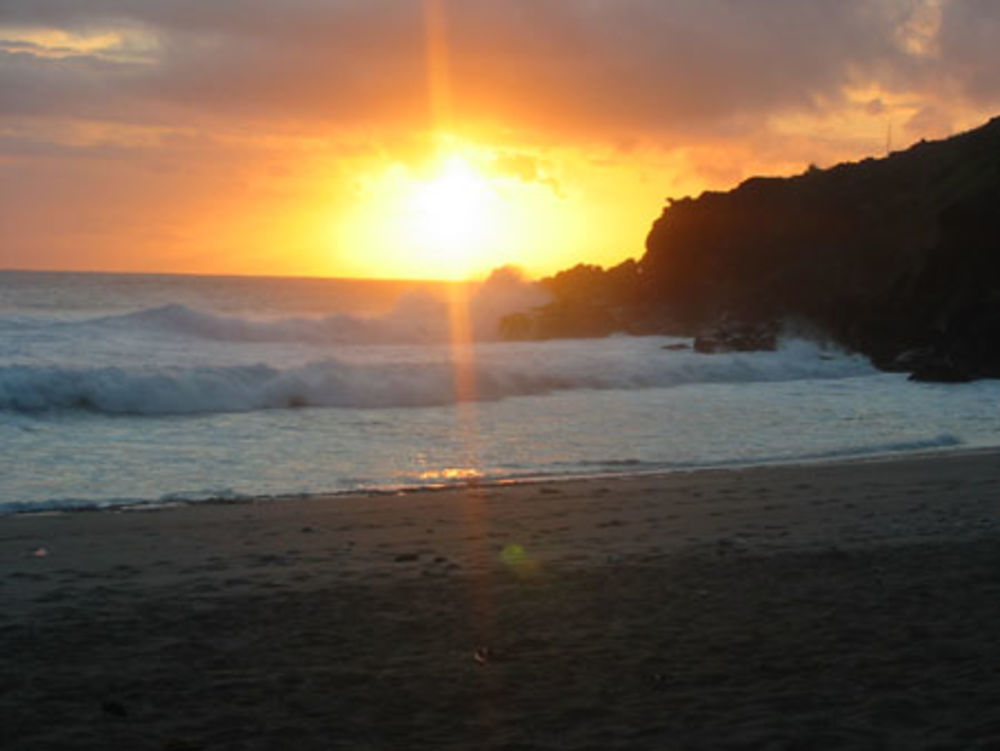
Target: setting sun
{"points": [[454, 213], [446, 217], [457, 208]]}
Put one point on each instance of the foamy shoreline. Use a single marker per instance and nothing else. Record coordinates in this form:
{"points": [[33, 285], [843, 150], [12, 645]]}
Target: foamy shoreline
{"points": [[178, 500], [795, 604]]}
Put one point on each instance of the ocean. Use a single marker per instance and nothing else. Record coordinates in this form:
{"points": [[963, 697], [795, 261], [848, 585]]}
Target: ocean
{"points": [[150, 389]]}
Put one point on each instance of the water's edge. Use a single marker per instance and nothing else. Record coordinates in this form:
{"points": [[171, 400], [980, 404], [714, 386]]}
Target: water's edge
{"points": [[400, 490]]}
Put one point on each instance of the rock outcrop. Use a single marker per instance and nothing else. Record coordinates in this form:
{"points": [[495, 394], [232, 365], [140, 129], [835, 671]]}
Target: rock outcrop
{"points": [[897, 258], [887, 256], [587, 301], [737, 336]]}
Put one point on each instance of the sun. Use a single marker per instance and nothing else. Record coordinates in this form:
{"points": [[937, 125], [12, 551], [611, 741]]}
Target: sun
{"points": [[453, 213]]}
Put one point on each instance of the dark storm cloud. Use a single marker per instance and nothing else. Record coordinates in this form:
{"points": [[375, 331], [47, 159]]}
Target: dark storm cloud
{"points": [[607, 67]]}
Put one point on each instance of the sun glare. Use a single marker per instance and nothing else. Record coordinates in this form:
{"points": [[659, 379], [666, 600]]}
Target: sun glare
{"points": [[466, 208], [453, 212], [451, 218]]}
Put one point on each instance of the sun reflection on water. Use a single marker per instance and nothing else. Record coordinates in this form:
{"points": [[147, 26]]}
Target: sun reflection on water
{"points": [[452, 473]]}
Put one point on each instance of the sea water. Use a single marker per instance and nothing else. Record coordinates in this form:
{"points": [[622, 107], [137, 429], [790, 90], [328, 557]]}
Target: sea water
{"points": [[145, 388]]}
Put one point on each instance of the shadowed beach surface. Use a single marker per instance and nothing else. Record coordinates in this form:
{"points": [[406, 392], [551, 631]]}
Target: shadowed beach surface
{"points": [[849, 605]]}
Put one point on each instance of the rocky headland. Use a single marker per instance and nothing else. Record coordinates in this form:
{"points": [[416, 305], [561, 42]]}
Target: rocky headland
{"points": [[897, 258]]}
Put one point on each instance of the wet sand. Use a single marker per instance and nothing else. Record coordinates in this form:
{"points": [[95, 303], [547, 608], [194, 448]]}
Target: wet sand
{"points": [[848, 605]]}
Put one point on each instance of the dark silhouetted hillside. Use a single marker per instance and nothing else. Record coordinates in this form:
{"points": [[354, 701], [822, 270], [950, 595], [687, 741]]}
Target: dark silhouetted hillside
{"points": [[898, 258], [885, 255]]}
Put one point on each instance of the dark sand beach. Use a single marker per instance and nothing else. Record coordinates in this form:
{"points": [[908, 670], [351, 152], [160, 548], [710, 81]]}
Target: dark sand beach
{"points": [[847, 605]]}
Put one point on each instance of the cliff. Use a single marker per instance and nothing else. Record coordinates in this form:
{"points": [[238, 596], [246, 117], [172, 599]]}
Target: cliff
{"points": [[898, 258], [885, 255]]}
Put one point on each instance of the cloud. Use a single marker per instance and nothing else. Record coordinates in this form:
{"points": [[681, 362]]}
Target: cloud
{"points": [[527, 168], [602, 68], [969, 39]]}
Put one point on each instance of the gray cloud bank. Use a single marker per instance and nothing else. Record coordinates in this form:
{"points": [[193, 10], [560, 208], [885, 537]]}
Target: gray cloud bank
{"points": [[612, 67]]}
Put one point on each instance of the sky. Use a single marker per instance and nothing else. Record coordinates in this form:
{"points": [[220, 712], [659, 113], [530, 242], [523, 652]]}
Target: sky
{"points": [[442, 138]]}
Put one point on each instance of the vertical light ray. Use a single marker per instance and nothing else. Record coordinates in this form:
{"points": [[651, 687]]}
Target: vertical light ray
{"points": [[462, 346], [475, 517], [462, 350], [438, 65]]}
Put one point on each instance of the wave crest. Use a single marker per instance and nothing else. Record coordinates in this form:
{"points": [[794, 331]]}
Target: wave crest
{"points": [[498, 371], [419, 317]]}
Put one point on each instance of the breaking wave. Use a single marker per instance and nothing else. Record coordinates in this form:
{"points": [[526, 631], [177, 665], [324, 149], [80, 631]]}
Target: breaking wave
{"points": [[498, 371], [416, 321], [418, 318]]}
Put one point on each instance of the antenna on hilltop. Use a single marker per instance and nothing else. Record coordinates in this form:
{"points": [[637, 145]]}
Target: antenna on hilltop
{"points": [[888, 139]]}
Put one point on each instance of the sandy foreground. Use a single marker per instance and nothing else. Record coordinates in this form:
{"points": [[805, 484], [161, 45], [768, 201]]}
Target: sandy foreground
{"points": [[851, 605]]}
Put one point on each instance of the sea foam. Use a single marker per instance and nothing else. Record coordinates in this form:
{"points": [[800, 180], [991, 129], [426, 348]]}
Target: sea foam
{"points": [[419, 377]]}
